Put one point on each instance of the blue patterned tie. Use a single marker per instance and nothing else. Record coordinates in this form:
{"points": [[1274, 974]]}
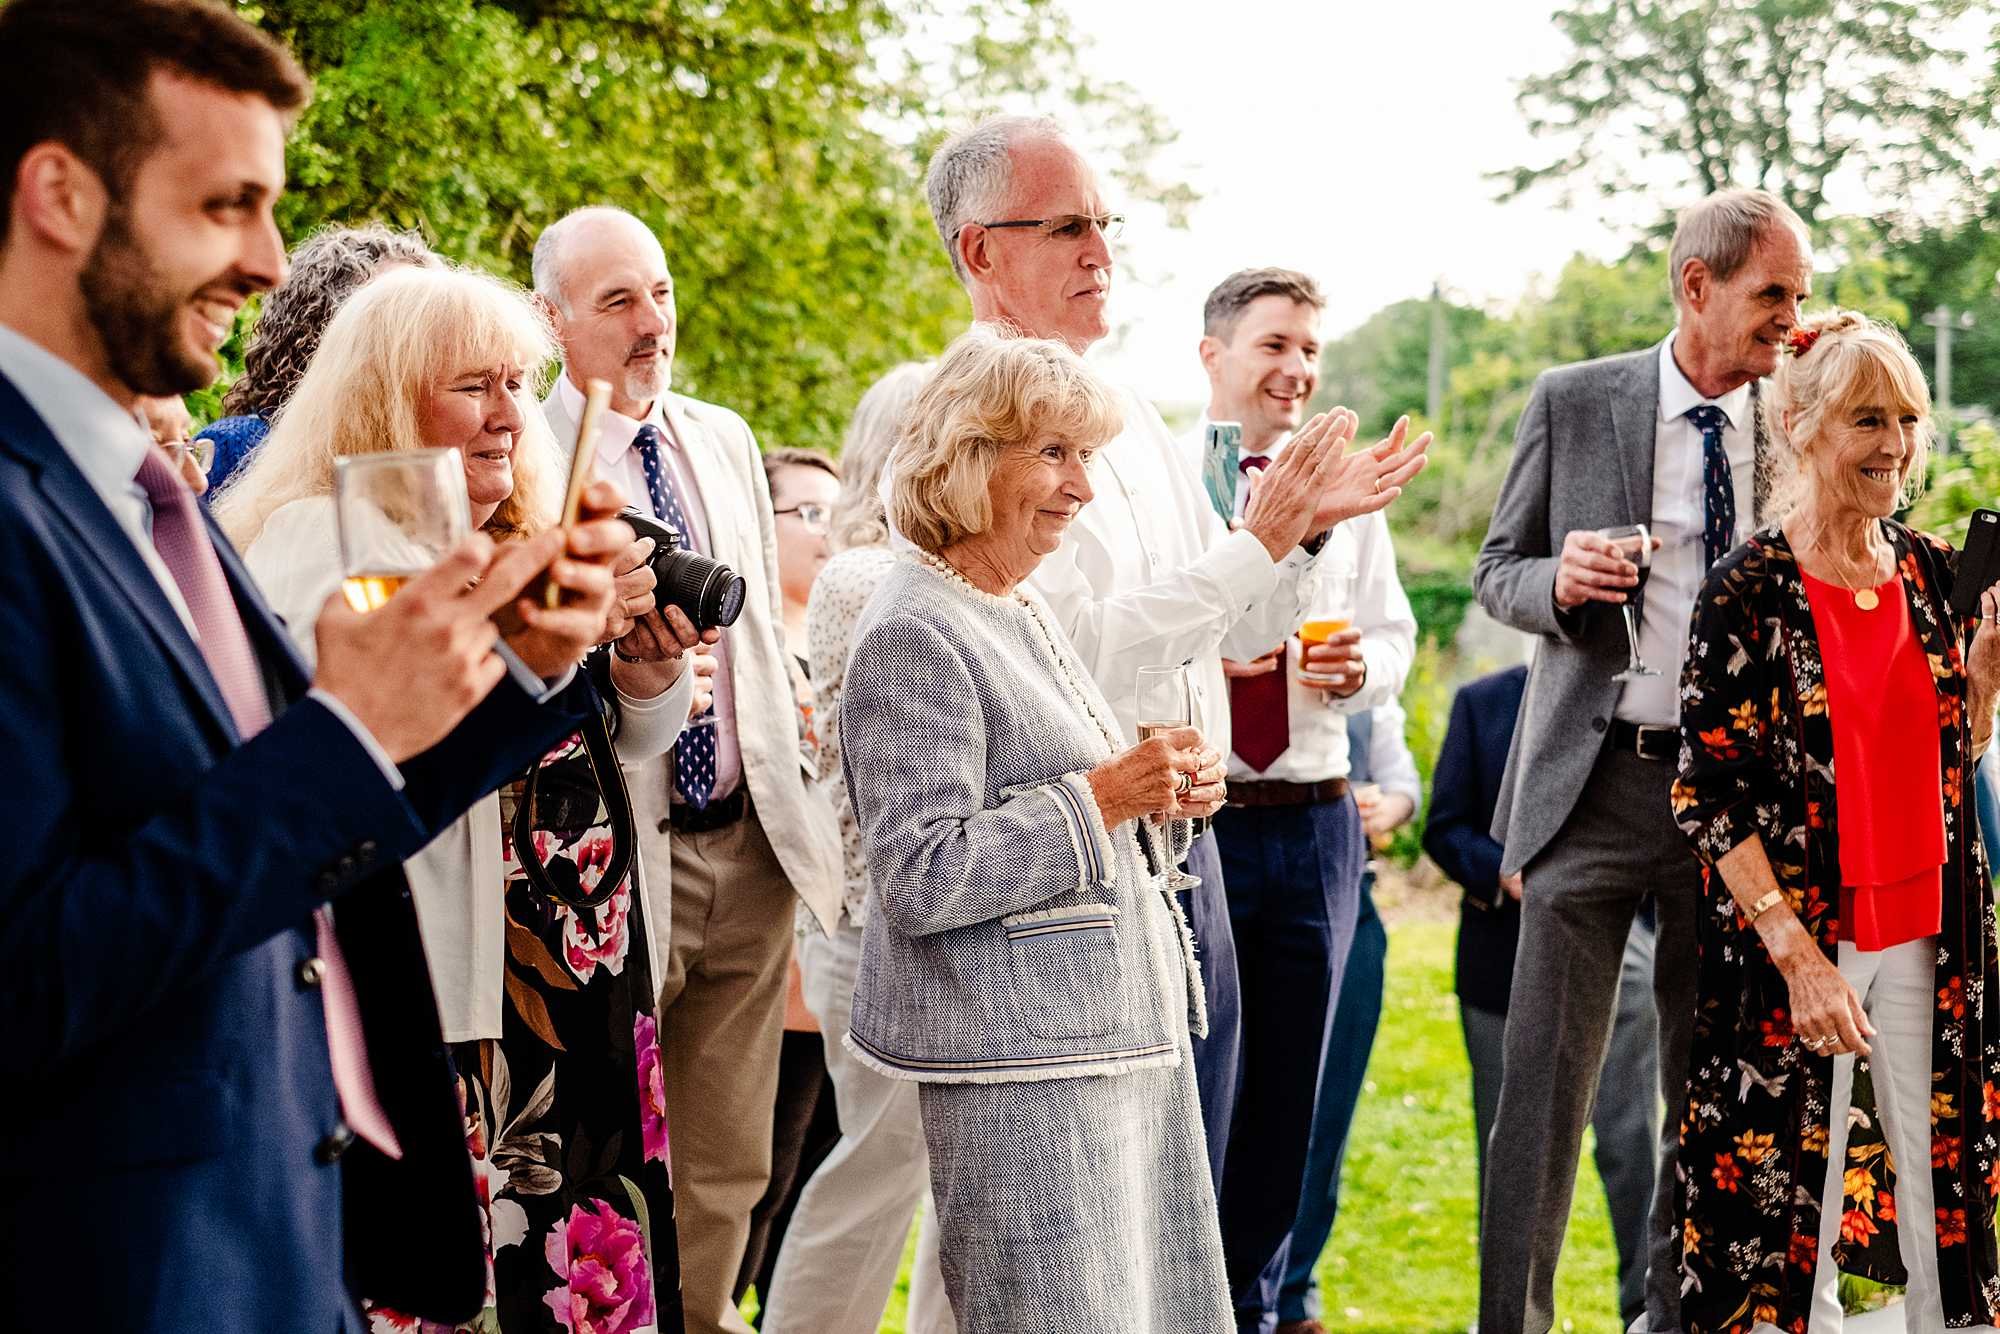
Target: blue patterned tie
{"points": [[694, 753], [1718, 490]]}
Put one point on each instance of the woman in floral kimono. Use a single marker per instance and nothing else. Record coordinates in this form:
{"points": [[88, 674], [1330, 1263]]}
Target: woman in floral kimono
{"points": [[1845, 924], [538, 936]]}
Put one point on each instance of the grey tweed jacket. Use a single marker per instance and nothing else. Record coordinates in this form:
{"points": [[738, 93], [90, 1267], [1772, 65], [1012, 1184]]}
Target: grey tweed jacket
{"points": [[1010, 936], [1583, 458]]}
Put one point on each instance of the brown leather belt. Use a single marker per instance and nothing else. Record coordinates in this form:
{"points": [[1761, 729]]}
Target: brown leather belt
{"points": [[1272, 792]]}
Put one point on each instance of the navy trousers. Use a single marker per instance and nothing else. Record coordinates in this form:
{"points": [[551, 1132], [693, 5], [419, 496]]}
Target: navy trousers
{"points": [[1353, 1036], [1217, 1056], [1294, 877]]}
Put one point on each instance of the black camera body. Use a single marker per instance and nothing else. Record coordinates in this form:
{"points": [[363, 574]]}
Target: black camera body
{"points": [[708, 593]]}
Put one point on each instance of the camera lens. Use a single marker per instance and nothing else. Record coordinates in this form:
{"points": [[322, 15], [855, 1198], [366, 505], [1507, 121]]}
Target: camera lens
{"points": [[708, 593]]}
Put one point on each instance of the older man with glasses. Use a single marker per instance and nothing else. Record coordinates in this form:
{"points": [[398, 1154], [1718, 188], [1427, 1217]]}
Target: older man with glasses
{"points": [[1148, 575]]}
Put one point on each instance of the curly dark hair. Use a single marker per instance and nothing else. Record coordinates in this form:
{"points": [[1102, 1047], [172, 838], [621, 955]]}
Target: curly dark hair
{"points": [[327, 268]]}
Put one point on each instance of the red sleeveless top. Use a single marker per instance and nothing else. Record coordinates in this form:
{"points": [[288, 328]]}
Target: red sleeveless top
{"points": [[1882, 704]]}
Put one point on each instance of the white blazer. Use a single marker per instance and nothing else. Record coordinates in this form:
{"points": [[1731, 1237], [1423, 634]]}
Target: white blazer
{"points": [[729, 469], [455, 880]]}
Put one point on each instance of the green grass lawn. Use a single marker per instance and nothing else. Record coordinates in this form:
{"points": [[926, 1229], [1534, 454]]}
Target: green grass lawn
{"points": [[1403, 1259]]}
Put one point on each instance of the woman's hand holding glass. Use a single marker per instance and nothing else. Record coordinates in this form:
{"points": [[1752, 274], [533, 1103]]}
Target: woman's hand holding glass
{"points": [[1174, 775]]}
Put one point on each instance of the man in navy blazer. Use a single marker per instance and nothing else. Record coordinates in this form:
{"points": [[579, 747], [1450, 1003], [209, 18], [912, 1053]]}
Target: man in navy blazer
{"points": [[173, 1151]]}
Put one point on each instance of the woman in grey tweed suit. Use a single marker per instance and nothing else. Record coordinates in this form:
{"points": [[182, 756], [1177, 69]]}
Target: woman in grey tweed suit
{"points": [[1021, 958]]}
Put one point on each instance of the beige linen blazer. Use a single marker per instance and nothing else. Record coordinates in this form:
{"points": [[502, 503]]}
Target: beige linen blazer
{"points": [[729, 469]]}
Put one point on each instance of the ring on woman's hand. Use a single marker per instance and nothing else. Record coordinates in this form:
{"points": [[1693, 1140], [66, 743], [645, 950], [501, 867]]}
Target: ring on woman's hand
{"points": [[1183, 784]]}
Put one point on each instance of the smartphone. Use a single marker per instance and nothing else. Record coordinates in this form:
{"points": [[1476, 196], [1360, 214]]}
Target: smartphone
{"points": [[596, 394], [1978, 563]]}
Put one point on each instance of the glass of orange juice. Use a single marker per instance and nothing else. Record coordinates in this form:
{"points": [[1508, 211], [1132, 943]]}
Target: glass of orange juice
{"points": [[1332, 612]]}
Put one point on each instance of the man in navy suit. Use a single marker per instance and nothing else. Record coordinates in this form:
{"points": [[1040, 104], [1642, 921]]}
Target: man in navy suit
{"points": [[1465, 787], [231, 1108]]}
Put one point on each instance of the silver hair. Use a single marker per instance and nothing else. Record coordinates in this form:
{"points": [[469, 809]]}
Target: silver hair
{"points": [[1722, 230], [547, 262], [972, 173], [872, 432]]}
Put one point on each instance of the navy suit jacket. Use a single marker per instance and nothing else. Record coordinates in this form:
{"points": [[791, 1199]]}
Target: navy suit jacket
{"points": [[1465, 787], [165, 1147]]}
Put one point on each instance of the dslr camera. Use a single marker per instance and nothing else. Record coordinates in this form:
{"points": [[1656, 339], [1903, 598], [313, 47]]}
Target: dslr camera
{"points": [[709, 593]]}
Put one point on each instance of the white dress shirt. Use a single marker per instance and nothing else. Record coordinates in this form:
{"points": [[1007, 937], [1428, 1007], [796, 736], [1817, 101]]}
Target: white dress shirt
{"points": [[619, 462], [1149, 575], [108, 444], [1679, 565], [1381, 611], [1391, 767]]}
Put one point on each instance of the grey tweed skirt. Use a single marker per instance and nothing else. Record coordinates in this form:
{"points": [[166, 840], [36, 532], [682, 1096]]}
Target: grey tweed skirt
{"points": [[1077, 1205]]}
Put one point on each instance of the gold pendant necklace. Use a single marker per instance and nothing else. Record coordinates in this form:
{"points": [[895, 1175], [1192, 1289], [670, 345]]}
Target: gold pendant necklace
{"points": [[1866, 599]]}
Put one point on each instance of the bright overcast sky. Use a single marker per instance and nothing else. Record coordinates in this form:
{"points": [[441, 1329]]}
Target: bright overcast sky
{"points": [[1347, 140]]}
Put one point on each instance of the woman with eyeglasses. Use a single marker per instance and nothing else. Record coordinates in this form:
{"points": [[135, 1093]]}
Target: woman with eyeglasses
{"points": [[804, 485]]}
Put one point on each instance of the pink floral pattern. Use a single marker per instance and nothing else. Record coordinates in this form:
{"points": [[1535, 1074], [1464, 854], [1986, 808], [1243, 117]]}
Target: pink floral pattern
{"points": [[600, 1259], [652, 1091], [594, 936]]}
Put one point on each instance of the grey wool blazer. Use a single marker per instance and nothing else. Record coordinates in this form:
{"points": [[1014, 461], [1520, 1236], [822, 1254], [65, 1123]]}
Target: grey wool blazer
{"points": [[1010, 936], [1583, 458]]}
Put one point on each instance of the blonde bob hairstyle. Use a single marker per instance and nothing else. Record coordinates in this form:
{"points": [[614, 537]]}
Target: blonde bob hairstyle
{"points": [[392, 344], [1851, 362], [990, 393]]}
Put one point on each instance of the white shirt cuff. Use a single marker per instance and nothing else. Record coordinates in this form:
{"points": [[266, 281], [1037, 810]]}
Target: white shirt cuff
{"points": [[361, 734]]}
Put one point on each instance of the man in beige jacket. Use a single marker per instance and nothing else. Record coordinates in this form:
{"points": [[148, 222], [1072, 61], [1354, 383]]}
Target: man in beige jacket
{"points": [[730, 812]]}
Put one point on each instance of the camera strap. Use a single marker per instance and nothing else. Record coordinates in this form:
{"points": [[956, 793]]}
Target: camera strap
{"points": [[592, 779]]}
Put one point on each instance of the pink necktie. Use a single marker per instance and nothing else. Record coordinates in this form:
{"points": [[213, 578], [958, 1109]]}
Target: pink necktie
{"points": [[182, 541]]}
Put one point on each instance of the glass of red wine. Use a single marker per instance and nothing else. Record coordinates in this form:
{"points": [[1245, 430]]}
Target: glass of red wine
{"points": [[1632, 542]]}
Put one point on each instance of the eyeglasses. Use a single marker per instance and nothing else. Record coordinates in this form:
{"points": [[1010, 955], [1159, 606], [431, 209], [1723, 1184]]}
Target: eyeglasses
{"points": [[814, 516], [201, 449], [1067, 226]]}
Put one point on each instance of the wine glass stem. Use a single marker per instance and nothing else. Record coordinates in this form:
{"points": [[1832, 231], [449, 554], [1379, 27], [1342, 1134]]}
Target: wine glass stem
{"points": [[1631, 633]]}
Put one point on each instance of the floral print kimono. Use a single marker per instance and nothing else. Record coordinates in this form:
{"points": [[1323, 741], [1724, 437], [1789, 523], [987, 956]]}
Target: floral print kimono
{"points": [[565, 1115], [1757, 758]]}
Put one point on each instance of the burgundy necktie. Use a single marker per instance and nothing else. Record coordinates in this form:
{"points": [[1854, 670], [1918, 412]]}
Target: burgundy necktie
{"points": [[182, 541], [1259, 706]]}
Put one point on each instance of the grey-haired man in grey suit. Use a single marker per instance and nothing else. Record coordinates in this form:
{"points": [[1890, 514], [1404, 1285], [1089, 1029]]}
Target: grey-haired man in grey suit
{"points": [[1670, 438]]}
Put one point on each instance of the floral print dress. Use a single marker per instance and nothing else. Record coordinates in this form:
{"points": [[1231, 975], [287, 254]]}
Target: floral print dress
{"points": [[565, 1115], [1757, 758]]}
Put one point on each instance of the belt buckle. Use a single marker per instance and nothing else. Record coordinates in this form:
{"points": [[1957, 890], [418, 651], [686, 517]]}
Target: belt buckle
{"points": [[1644, 734]]}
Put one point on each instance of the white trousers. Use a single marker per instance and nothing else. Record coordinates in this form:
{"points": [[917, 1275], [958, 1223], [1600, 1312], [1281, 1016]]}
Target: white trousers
{"points": [[1898, 991], [844, 1245]]}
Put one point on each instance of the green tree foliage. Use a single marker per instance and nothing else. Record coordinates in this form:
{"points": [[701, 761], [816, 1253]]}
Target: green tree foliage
{"points": [[776, 148], [1783, 94]]}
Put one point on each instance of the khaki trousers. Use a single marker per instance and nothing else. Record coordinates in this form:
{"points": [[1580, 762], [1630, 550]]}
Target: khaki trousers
{"points": [[722, 1010]]}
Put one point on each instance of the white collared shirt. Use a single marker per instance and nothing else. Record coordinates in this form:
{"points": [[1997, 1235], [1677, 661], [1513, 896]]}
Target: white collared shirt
{"points": [[1381, 611], [1679, 565], [1391, 767], [107, 444], [619, 462]]}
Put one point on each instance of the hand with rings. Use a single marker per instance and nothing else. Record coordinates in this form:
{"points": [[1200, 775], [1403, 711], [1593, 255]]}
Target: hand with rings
{"points": [[1982, 657]]}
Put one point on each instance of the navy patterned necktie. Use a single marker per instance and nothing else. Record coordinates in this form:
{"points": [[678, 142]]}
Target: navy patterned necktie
{"points": [[1718, 488], [694, 753]]}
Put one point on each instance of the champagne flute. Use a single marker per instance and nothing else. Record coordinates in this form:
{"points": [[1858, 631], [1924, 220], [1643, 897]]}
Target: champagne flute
{"points": [[1632, 542], [1166, 704], [399, 513]]}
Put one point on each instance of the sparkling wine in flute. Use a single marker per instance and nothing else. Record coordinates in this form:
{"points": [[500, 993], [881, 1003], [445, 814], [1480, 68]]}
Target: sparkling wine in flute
{"points": [[1147, 731], [367, 592]]}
